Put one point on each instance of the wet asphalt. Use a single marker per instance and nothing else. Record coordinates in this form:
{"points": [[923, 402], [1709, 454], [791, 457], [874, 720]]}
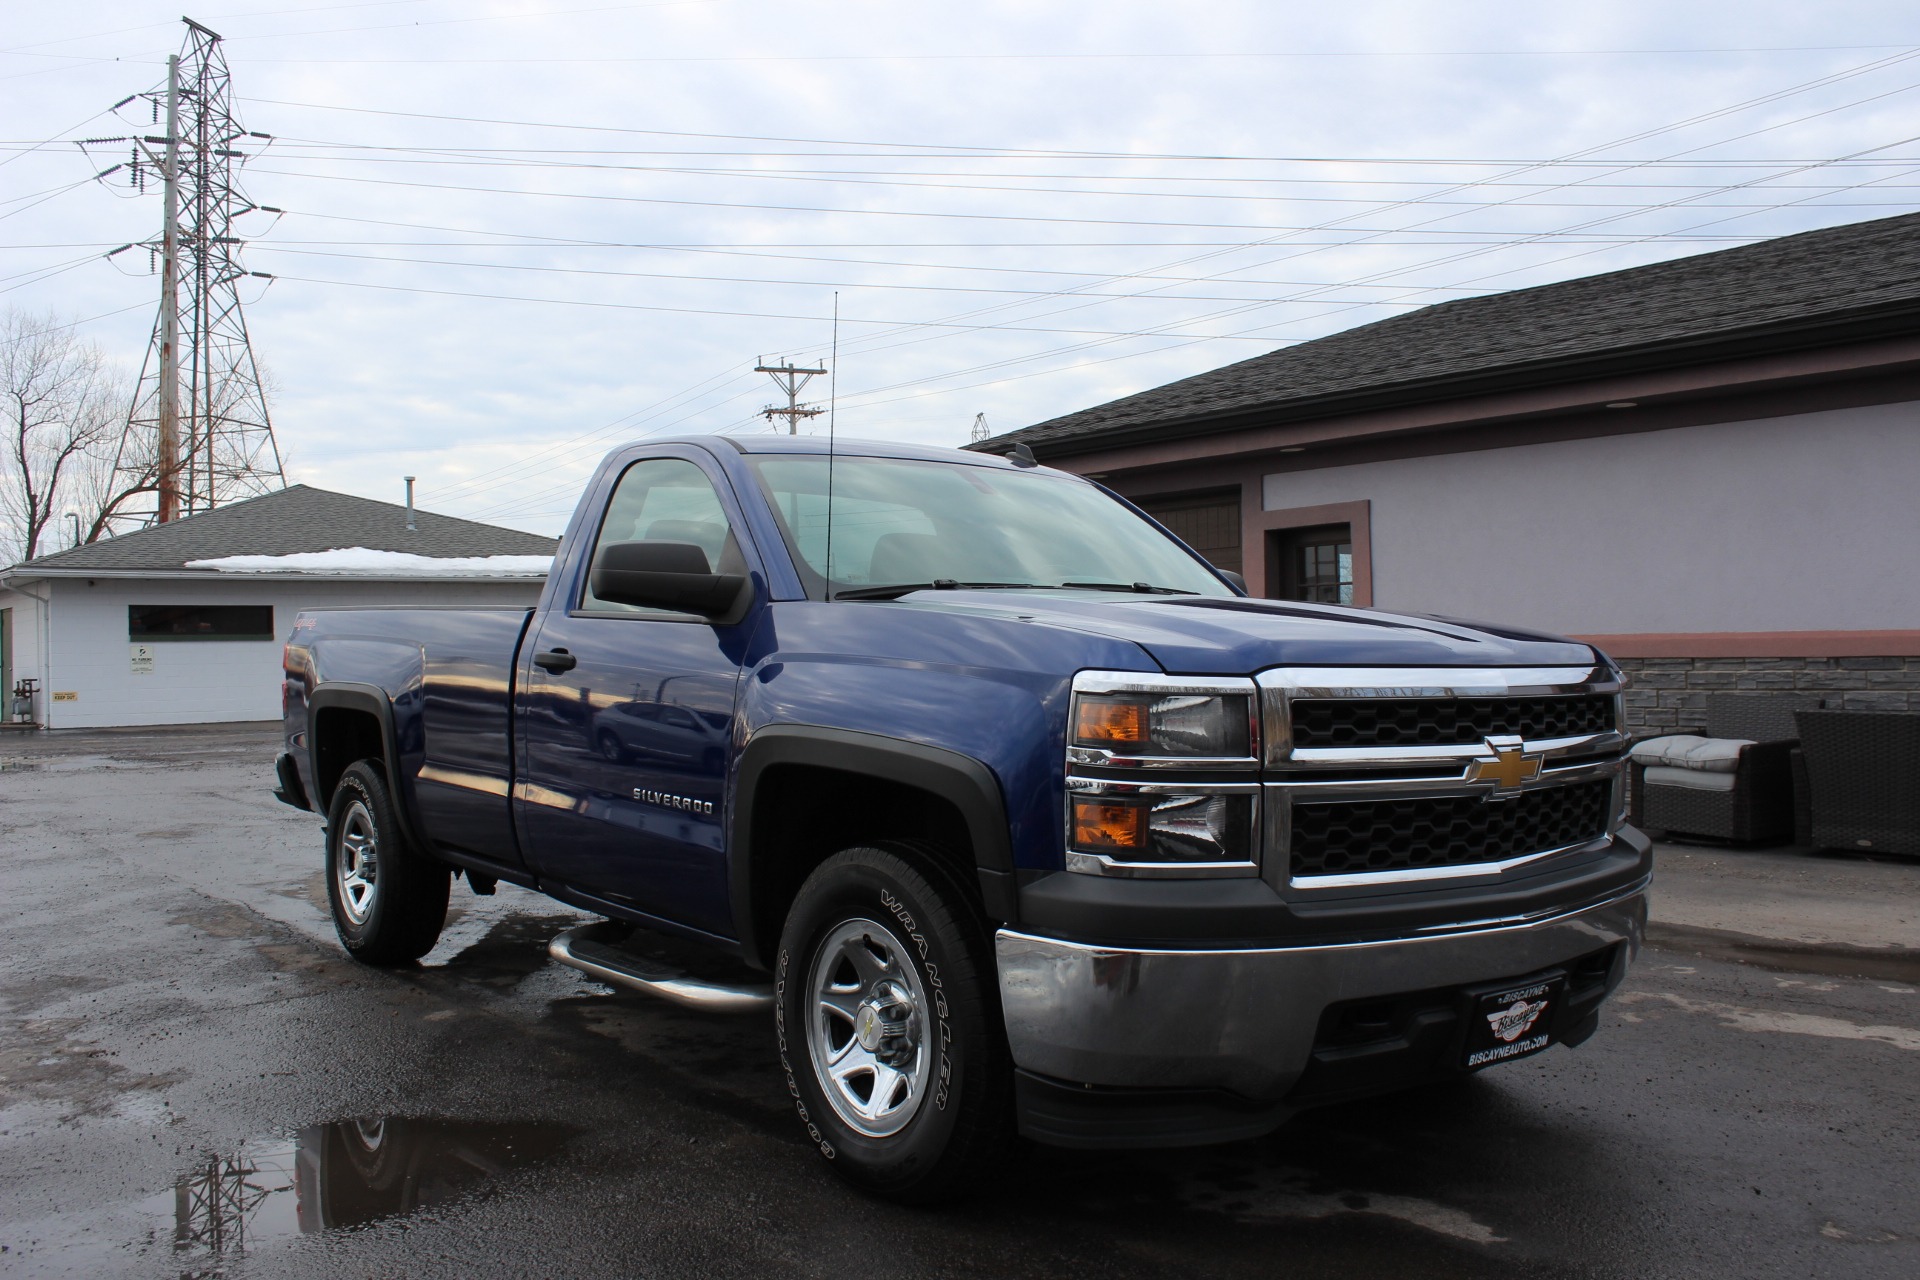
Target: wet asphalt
{"points": [[195, 1081]]}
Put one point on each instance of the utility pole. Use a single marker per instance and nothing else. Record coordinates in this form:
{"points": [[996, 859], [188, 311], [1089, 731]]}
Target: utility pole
{"points": [[198, 433], [167, 460], [789, 379]]}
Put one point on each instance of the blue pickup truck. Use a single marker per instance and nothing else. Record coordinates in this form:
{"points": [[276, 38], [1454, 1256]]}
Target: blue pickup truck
{"points": [[1016, 815]]}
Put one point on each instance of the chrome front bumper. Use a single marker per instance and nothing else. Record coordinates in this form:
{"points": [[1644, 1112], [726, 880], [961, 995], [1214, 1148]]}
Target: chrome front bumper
{"points": [[1245, 1020]]}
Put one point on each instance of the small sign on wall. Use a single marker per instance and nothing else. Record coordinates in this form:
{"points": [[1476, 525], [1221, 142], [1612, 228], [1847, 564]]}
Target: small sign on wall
{"points": [[66, 695], [142, 659]]}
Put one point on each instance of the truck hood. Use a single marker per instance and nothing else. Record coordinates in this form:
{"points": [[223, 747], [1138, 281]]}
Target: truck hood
{"points": [[1190, 635]]}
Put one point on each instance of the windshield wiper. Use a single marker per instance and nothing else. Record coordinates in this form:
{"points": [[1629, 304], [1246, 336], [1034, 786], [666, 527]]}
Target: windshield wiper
{"points": [[898, 589], [1139, 588]]}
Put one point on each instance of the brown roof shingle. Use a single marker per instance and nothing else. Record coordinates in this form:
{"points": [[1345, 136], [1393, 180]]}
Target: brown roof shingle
{"points": [[1801, 289]]}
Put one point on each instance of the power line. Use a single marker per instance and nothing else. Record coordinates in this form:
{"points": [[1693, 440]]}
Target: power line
{"points": [[838, 212], [950, 149], [690, 311], [284, 156], [280, 248], [1642, 135]]}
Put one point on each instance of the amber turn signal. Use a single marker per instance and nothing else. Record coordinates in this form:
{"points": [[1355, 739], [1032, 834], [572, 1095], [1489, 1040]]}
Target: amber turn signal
{"points": [[1099, 824], [1109, 722]]}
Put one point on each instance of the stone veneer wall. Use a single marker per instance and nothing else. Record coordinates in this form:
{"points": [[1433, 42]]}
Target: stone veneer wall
{"points": [[1669, 695]]}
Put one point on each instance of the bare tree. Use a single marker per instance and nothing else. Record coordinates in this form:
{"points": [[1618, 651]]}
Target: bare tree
{"points": [[63, 409]]}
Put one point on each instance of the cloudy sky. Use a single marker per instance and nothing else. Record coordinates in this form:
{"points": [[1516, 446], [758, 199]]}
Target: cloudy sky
{"points": [[517, 232]]}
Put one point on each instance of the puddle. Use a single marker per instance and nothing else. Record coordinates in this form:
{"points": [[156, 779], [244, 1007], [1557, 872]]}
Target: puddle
{"points": [[346, 1174]]}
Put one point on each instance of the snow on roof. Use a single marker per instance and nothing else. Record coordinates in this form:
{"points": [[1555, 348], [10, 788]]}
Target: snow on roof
{"points": [[361, 561]]}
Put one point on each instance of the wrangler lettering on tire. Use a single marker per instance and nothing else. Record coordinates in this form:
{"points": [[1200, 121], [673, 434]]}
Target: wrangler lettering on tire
{"points": [[888, 1029]]}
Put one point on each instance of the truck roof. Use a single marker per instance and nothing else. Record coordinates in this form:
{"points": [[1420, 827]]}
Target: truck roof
{"points": [[852, 447]]}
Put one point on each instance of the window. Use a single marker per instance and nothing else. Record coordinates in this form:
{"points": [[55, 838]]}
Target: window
{"points": [[1313, 564], [1207, 522], [899, 521], [665, 500], [200, 622]]}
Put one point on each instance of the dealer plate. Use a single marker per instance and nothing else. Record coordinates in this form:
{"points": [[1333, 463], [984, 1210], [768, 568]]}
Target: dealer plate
{"points": [[1513, 1022]]}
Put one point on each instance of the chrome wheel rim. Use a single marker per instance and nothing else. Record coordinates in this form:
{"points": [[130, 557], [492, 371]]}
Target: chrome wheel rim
{"points": [[371, 1133], [356, 869], [867, 1027]]}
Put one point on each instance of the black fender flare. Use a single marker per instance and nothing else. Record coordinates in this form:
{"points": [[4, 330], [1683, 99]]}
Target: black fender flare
{"points": [[349, 695], [959, 779]]}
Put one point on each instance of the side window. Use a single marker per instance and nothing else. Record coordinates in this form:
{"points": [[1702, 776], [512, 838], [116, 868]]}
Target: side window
{"points": [[664, 500]]}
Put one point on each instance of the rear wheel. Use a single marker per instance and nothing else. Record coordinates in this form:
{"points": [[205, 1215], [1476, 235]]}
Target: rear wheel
{"points": [[389, 901], [889, 1027]]}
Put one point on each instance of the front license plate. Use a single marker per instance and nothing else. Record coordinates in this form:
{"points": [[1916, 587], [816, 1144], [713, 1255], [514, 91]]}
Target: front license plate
{"points": [[1513, 1022]]}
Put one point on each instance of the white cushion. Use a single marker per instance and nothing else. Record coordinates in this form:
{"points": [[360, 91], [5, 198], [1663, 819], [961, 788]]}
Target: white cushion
{"points": [[1665, 775], [1688, 751]]}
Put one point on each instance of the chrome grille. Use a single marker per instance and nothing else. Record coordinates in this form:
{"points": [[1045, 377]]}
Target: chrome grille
{"points": [[1378, 776], [1410, 833], [1393, 722]]}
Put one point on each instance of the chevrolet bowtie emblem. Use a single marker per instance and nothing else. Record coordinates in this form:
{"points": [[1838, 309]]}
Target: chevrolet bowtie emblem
{"points": [[1510, 768]]}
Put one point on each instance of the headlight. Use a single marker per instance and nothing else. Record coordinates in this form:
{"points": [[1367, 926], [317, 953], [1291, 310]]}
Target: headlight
{"points": [[1168, 723], [1169, 829], [1130, 736]]}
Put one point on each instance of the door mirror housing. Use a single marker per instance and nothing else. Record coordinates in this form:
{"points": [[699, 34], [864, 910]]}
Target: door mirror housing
{"points": [[667, 575]]}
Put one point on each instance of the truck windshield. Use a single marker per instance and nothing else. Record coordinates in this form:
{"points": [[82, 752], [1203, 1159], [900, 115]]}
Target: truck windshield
{"points": [[904, 523]]}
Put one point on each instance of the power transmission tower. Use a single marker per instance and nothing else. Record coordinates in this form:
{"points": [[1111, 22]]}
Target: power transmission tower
{"points": [[198, 433], [980, 428], [790, 380]]}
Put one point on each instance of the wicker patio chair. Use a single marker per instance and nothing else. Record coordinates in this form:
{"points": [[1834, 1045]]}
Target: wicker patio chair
{"points": [[1864, 771], [1757, 806]]}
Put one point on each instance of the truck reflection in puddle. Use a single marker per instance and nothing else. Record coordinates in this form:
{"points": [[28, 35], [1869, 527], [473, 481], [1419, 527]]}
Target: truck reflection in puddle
{"points": [[346, 1174]]}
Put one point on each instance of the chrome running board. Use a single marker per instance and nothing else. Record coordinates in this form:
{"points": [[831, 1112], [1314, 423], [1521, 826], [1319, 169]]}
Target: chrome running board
{"points": [[581, 949]]}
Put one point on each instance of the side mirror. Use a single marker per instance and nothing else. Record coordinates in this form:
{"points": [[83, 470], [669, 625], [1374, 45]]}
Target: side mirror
{"points": [[665, 575], [1235, 579]]}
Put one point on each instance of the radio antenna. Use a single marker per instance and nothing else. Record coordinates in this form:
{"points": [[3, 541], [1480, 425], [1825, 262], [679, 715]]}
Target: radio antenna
{"points": [[833, 405]]}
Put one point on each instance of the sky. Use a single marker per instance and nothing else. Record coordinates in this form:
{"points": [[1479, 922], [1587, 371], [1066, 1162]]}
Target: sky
{"points": [[516, 234]]}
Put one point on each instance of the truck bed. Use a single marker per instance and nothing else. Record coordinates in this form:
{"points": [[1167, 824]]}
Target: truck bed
{"points": [[449, 674]]}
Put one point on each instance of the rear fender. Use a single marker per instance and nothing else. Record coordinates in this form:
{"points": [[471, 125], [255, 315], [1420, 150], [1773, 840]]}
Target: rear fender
{"points": [[370, 700]]}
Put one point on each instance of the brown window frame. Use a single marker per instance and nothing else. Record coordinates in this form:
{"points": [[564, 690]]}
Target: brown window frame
{"points": [[1357, 516], [1287, 578]]}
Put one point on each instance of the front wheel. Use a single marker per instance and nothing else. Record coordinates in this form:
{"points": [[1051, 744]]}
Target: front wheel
{"points": [[889, 1027], [389, 901]]}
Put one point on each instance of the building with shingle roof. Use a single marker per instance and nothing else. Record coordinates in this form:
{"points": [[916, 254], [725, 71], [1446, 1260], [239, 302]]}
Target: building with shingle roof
{"points": [[293, 520], [1705, 465], [183, 622]]}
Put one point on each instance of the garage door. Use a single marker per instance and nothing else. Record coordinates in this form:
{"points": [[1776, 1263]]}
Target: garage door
{"points": [[1207, 522]]}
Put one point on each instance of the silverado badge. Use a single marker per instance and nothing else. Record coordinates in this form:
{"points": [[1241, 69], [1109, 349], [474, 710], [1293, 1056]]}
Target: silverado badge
{"points": [[1510, 768]]}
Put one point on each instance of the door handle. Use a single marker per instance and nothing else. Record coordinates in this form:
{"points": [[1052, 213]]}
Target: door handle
{"points": [[556, 661]]}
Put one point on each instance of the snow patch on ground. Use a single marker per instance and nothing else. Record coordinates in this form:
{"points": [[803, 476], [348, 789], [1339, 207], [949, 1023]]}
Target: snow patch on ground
{"points": [[399, 564]]}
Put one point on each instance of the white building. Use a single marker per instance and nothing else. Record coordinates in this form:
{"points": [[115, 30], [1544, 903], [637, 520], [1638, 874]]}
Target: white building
{"points": [[183, 623]]}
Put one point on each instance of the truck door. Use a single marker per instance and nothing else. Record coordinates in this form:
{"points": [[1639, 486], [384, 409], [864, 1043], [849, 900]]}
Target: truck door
{"points": [[626, 715]]}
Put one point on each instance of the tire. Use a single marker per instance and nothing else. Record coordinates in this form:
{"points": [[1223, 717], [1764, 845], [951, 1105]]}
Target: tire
{"points": [[889, 1027], [388, 900], [610, 748]]}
